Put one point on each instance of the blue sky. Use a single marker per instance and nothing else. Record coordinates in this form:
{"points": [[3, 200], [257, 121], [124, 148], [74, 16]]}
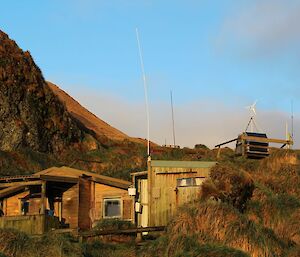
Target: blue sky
{"points": [[210, 53]]}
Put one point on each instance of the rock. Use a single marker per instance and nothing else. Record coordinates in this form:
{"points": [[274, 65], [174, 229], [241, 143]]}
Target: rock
{"points": [[30, 114]]}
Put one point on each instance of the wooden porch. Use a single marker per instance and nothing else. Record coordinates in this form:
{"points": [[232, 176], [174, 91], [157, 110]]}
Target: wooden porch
{"points": [[31, 224]]}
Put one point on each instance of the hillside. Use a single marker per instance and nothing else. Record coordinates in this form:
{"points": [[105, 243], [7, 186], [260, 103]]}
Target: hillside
{"points": [[42, 126], [247, 208], [88, 119], [30, 114]]}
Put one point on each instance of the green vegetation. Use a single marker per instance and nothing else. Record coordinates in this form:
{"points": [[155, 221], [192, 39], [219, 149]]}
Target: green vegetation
{"points": [[17, 244], [247, 208], [188, 246], [110, 224], [98, 249]]}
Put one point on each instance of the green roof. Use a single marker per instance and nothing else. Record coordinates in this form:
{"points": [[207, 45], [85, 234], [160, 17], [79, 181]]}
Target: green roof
{"points": [[182, 164]]}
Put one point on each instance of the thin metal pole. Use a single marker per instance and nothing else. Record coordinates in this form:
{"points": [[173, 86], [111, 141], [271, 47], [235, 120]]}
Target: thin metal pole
{"points": [[145, 89], [287, 135], [292, 118], [173, 123]]}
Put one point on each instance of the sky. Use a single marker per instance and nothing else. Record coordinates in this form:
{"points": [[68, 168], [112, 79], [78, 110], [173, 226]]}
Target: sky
{"points": [[216, 56]]}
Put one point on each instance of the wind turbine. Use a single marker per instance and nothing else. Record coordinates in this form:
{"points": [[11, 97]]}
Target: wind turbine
{"points": [[253, 113], [252, 108]]}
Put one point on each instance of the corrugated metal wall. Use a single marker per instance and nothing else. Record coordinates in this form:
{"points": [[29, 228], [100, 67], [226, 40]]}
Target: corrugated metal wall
{"points": [[166, 197]]}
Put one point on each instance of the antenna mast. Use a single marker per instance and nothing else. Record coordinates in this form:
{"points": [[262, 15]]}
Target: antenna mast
{"points": [[146, 91], [173, 123], [292, 118]]}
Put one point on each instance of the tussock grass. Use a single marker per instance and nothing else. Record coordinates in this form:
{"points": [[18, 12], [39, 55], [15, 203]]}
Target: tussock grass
{"points": [[99, 249], [279, 212], [16, 244], [279, 173], [188, 246], [110, 224], [230, 185], [248, 206], [13, 242], [223, 224], [294, 252]]}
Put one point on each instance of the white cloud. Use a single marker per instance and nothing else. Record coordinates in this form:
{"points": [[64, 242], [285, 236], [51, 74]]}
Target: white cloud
{"points": [[263, 26]]}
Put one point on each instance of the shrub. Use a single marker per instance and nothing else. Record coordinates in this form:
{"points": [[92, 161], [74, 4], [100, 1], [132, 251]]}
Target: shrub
{"points": [[111, 224]]}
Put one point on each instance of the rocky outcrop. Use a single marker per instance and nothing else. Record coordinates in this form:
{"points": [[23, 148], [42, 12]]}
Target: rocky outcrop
{"points": [[30, 114]]}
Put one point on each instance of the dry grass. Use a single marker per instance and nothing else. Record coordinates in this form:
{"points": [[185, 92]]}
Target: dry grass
{"points": [[230, 185], [13, 243], [99, 249], [248, 206], [223, 224], [17, 244]]}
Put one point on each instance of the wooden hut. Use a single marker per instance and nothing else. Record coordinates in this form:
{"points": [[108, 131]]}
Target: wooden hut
{"points": [[62, 198], [165, 186], [253, 145]]}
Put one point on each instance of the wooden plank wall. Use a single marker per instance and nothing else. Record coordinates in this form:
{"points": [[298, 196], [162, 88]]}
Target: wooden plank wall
{"points": [[165, 197], [86, 203], [12, 205], [31, 224], [70, 204], [104, 191]]}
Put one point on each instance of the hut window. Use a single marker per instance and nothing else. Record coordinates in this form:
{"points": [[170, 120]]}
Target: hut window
{"points": [[187, 182], [24, 207], [112, 208]]}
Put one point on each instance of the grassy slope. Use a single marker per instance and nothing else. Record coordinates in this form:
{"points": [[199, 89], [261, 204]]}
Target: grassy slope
{"points": [[247, 208], [247, 205], [112, 158]]}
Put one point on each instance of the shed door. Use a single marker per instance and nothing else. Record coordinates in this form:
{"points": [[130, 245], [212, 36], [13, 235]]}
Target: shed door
{"points": [[143, 217]]}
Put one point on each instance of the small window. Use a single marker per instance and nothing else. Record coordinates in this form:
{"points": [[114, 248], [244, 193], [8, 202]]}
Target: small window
{"points": [[24, 207], [188, 182], [112, 208]]}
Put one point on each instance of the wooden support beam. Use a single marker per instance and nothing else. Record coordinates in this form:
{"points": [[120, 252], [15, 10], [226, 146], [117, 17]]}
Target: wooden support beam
{"points": [[25, 183], [43, 198], [59, 179], [10, 190], [227, 142], [219, 152], [121, 231], [18, 178], [266, 140], [110, 183]]}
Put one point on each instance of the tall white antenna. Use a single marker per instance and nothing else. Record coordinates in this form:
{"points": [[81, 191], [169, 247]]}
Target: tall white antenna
{"points": [[146, 91], [173, 123], [292, 118]]}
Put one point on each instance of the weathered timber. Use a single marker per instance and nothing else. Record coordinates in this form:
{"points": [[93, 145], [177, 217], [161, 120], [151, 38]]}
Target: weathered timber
{"points": [[227, 142], [121, 231], [10, 190], [25, 183], [266, 140], [111, 183], [18, 178], [59, 179]]}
